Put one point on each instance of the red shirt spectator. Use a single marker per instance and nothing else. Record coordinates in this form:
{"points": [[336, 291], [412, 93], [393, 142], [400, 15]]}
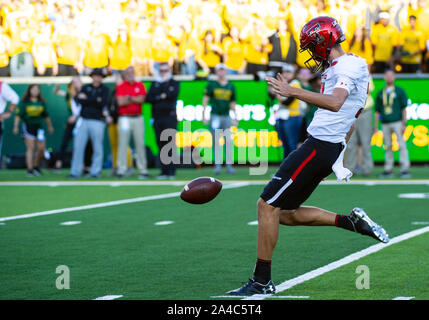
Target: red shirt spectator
{"points": [[127, 90]]}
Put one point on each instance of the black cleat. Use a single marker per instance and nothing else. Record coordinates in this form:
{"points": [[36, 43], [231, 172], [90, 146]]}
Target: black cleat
{"points": [[364, 225], [253, 287]]}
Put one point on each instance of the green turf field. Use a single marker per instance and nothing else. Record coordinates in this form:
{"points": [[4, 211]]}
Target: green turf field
{"points": [[116, 247]]}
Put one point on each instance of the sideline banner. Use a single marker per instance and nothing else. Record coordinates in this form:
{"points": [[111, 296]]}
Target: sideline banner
{"points": [[254, 138]]}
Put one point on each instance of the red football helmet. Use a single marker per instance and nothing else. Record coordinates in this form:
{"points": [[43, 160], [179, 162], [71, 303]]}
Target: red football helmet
{"points": [[318, 36]]}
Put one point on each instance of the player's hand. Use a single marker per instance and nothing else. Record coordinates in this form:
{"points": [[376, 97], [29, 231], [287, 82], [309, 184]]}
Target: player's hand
{"points": [[280, 86], [51, 130], [15, 130]]}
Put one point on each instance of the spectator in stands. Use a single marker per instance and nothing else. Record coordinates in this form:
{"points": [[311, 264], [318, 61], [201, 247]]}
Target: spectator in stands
{"points": [[221, 95], [412, 45], [7, 95], [360, 45], [68, 45], [284, 47], [304, 77], [120, 58], [390, 107], [131, 95], [258, 47], [73, 113], [112, 130], [233, 52], [187, 48], [4, 53], [141, 41], [32, 110], [95, 51], [385, 39], [21, 35], [209, 52], [163, 95], [288, 115], [163, 50], [94, 99], [315, 83], [43, 50], [361, 139]]}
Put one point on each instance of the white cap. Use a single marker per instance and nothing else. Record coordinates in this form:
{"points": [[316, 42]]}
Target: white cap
{"points": [[288, 67], [384, 15], [220, 66]]}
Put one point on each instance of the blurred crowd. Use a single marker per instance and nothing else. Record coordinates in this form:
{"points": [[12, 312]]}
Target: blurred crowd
{"points": [[72, 37]]}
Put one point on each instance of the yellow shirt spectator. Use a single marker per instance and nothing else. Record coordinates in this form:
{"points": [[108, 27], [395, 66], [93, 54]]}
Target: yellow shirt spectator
{"points": [[258, 49], [4, 50], [413, 43], [209, 51], [294, 109], [187, 46], [364, 51], [360, 45], [141, 41], [234, 51], [121, 52], [96, 51], [163, 49], [234, 54], [68, 44], [385, 38], [43, 50]]}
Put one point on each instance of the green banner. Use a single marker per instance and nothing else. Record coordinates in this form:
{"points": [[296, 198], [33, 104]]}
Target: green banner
{"points": [[255, 138]]}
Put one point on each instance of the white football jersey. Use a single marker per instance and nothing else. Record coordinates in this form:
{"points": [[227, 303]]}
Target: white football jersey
{"points": [[349, 72]]}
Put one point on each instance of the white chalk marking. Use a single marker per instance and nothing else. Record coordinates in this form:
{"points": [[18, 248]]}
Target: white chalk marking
{"points": [[163, 223], [109, 297], [339, 263], [70, 223], [414, 195], [110, 203]]}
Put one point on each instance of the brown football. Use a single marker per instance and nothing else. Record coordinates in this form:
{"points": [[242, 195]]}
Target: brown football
{"points": [[201, 190]]}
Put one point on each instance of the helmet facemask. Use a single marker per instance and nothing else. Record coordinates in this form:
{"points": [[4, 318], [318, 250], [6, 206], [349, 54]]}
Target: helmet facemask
{"points": [[316, 62]]}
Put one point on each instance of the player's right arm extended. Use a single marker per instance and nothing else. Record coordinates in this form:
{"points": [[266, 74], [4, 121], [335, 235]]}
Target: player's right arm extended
{"points": [[332, 102]]}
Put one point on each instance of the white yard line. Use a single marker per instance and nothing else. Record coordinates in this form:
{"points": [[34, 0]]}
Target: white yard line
{"points": [[116, 183], [339, 263], [109, 297], [109, 203]]}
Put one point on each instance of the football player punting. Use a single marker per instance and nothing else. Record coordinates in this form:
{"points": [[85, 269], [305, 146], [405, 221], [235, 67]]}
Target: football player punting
{"points": [[343, 93]]}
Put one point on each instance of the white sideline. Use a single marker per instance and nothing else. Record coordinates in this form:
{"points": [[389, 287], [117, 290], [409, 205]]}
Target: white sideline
{"points": [[116, 183], [110, 203], [339, 263]]}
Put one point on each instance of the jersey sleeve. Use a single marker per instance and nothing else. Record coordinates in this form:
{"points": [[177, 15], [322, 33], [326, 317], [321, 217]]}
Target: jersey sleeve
{"points": [[348, 74], [9, 94], [344, 81]]}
